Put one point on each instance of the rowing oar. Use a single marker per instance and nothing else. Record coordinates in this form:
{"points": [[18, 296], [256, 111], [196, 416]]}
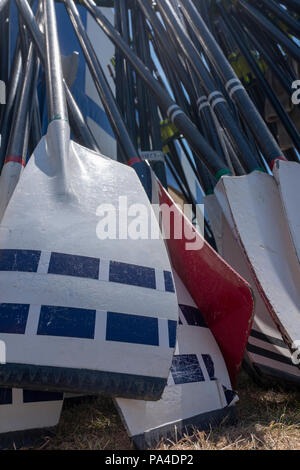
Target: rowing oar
{"points": [[233, 85], [91, 311], [177, 116]]}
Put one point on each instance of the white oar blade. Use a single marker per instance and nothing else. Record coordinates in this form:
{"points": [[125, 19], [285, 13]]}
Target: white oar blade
{"points": [[81, 313], [25, 415], [287, 175], [257, 214], [198, 394]]}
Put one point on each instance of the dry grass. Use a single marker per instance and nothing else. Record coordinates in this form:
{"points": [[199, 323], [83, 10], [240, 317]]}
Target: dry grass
{"points": [[267, 419]]}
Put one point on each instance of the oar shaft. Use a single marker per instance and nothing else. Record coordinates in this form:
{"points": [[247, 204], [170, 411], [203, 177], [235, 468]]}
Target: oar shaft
{"points": [[57, 107]]}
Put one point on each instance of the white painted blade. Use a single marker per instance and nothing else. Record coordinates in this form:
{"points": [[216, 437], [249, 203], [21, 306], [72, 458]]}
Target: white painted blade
{"points": [[27, 411], [198, 394], [82, 314], [287, 175], [9, 178], [256, 212]]}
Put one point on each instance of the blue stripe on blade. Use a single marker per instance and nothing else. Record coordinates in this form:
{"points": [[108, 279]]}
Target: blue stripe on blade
{"points": [[132, 329], [6, 396], [31, 396], [74, 265], [67, 322], [132, 274], [172, 327], [169, 285], [19, 260], [186, 369], [13, 318]]}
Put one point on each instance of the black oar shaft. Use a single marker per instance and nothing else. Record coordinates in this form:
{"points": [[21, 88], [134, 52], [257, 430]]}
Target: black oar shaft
{"points": [[57, 106]]}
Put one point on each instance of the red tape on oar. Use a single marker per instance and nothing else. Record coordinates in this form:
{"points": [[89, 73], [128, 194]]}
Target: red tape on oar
{"points": [[15, 159]]}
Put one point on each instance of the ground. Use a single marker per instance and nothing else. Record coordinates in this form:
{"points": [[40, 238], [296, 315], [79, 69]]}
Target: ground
{"points": [[267, 419]]}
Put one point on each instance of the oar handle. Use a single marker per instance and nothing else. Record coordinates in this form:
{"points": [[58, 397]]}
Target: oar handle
{"points": [[57, 107]]}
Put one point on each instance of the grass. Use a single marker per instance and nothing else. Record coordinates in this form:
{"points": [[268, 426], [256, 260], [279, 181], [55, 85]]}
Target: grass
{"points": [[267, 419]]}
